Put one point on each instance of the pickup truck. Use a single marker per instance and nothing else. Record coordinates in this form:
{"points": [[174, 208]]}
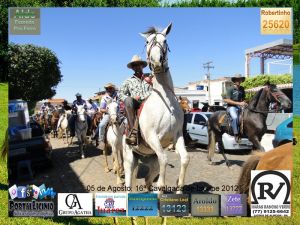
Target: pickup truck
{"points": [[36, 152]]}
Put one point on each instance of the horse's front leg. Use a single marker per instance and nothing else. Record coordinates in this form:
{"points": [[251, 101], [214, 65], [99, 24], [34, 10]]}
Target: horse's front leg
{"points": [[130, 163], [184, 161], [154, 144], [256, 143]]}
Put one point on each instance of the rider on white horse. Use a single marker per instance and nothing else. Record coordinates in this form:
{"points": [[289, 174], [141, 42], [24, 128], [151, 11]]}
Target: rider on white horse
{"points": [[133, 92], [77, 102], [110, 95]]}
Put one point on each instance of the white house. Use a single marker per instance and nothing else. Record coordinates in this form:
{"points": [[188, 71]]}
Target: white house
{"points": [[198, 93]]}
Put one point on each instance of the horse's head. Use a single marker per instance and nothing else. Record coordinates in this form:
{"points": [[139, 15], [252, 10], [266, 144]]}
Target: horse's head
{"points": [[157, 48], [185, 105], [81, 113], [276, 95], [113, 108]]}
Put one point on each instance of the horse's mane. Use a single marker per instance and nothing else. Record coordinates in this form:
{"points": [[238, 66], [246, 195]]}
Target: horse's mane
{"points": [[151, 30], [255, 98]]}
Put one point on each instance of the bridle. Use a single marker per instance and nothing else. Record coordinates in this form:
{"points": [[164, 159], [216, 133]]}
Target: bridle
{"points": [[275, 96], [163, 51]]}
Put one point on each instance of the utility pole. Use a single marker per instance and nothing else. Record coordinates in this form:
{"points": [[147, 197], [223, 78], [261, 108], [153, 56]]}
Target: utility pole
{"points": [[208, 67]]}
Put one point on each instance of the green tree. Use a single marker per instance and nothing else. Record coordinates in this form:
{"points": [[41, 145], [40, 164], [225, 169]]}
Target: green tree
{"points": [[33, 72], [261, 80]]}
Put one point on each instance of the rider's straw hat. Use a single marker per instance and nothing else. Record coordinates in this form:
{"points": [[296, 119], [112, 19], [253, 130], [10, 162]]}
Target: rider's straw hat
{"points": [[108, 85], [136, 60], [236, 77]]}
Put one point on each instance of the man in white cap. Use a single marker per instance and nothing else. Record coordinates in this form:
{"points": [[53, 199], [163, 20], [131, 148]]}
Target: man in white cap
{"points": [[133, 92], [110, 95], [235, 98]]}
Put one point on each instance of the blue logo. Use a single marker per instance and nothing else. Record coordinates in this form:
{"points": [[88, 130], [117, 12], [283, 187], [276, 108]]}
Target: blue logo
{"points": [[44, 193], [142, 204], [109, 203], [21, 193]]}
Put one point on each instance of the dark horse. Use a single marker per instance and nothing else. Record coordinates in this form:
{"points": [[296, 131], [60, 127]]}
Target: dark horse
{"points": [[253, 120]]}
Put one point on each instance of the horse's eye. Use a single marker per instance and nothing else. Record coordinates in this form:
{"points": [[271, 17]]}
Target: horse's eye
{"points": [[147, 42]]}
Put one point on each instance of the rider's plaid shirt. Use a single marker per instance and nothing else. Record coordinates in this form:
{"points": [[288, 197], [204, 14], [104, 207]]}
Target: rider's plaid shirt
{"points": [[133, 87]]}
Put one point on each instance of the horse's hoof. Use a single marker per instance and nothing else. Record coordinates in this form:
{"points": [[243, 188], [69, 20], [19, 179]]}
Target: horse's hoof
{"points": [[107, 170], [212, 163], [82, 156]]}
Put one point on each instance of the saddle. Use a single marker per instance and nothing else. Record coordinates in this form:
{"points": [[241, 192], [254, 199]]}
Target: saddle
{"points": [[225, 123]]}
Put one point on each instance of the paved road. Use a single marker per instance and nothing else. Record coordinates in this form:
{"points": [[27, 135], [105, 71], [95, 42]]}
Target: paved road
{"points": [[70, 173]]}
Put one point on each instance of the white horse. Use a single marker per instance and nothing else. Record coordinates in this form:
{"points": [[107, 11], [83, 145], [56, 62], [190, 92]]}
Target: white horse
{"points": [[63, 125], [81, 128], [114, 140], [161, 119]]}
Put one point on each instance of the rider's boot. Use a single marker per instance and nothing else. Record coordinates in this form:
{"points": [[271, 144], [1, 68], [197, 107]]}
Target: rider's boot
{"points": [[237, 138], [131, 139]]}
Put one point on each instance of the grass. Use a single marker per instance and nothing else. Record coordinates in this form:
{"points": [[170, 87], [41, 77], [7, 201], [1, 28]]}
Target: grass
{"points": [[77, 221]]}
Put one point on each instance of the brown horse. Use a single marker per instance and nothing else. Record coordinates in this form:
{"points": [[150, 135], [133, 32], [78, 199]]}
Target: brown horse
{"points": [[43, 120], [279, 158], [95, 122], [184, 104], [54, 121]]}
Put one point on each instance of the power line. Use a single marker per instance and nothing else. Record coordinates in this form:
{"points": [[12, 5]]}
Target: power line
{"points": [[208, 66]]}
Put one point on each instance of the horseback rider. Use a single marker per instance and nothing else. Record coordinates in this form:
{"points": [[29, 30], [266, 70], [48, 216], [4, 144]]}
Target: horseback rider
{"points": [[93, 104], [109, 96], [133, 92], [235, 99], [62, 109], [78, 101]]}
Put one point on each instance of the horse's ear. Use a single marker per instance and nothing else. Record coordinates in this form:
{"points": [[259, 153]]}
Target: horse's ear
{"points": [[167, 30], [144, 35]]}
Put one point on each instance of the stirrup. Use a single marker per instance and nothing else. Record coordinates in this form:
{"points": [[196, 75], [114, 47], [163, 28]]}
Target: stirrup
{"points": [[133, 131]]}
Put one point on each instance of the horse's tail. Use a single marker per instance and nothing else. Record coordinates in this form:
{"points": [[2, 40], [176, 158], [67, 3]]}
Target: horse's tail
{"points": [[245, 176], [211, 141]]}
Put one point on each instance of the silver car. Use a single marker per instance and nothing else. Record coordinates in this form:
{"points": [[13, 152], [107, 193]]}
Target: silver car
{"points": [[197, 129]]}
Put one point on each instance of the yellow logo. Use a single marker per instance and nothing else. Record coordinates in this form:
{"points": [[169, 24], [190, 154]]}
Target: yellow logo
{"points": [[276, 20]]}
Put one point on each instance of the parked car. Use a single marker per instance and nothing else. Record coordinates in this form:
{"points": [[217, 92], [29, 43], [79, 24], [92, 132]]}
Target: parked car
{"points": [[283, 133], [197, 129], [36, 150]]}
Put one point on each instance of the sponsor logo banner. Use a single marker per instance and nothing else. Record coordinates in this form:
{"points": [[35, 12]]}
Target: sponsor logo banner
{"points": [[234, 205], [142, 204], [270, 193], [75, 204], [110, 204], [174, 205], [31, 201], [205, 205]]}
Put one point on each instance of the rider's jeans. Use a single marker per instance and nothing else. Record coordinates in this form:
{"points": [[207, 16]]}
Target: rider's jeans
{"points": [[102, 126], [233, 111]]}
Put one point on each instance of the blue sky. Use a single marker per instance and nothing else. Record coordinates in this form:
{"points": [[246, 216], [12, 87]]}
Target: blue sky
{"points": [[94, 45]]}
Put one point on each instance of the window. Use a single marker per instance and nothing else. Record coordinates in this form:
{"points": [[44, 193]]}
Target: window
{"points": [[290, 125], [200, 120], [188, 118]]}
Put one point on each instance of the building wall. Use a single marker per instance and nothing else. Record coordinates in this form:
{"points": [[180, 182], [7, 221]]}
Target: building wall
{"points": [[218, 87]]}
